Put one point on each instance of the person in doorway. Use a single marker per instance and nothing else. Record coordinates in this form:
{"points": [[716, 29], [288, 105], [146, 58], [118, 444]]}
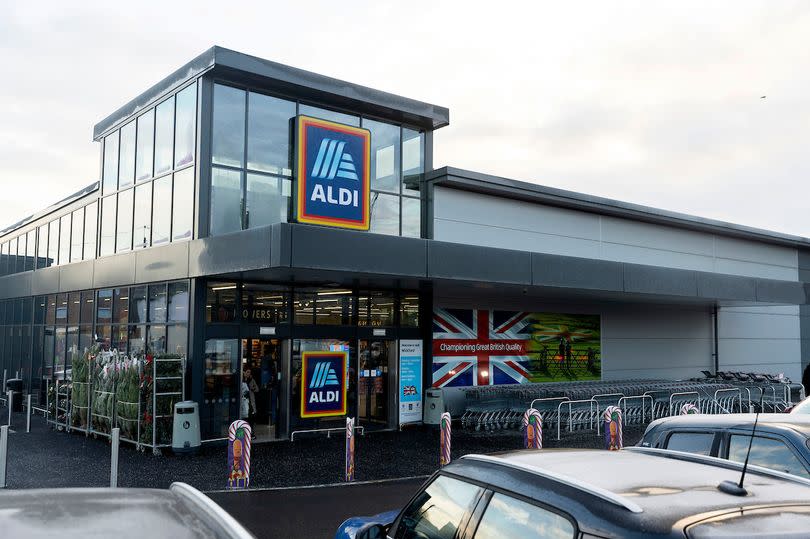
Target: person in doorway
{"points": [[249, 384]]}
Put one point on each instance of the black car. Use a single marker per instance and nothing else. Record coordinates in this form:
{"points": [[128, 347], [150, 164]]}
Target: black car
{"points": [[781, 441], [636, 492]]}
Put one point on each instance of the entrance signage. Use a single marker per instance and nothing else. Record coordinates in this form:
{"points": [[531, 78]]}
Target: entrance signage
{"points": [[239, 435], [323, 384], [410, 381], [332, 169]]}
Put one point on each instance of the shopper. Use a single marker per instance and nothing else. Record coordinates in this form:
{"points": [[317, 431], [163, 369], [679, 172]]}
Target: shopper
{"points": [[250, 387]]}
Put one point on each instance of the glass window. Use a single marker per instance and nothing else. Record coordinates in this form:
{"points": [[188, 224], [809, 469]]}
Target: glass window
{"points": [[90, 219], [269, 134], [42, 247], [161, 210], [156, 339], [267, 200], [27, 310], [411, 217], [4, 259], [110, 173], [77, 236], [120, 303], [107, 243], [507, 517], [164, 135], [40, 306], [21, 241], [439, 510], [691, 442], [177, 339], [413, 160], [183, 214], [228, 144], [384, 214], [384, 155], [376, 309], [146, 140], [74, 305], [137, 341], [48, 352], [220, 304], [766, 452], [141, 229], [157, 303], [120, 338], [30, 250], [104, 306], [185, 123], [85, 338], [264, 304], [137, 305], [220, 388], [61, 308], [304, 307], [53, 242], [335, 307], [409, 311], [64, 239], [12, 256], [332, 116], [178, 302], [123, 241], [50, 313], [59, 353], [226, 201], [126, 166], [87, 308]]}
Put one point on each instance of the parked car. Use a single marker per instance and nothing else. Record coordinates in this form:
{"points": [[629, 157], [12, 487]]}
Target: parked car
{"points": [[780, 442], [802, 407], [636, 492], [177, 513]]}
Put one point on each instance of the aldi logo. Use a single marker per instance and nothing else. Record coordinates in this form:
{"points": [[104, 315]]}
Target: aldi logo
{"points": [[323, 384], [332, 170]]}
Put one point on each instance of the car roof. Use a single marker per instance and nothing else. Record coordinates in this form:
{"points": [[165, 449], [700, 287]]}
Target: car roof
{"points": [[123, 513], [795, 422], [645, 490]]}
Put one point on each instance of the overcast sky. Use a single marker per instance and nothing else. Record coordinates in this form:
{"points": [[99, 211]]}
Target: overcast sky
{"points": [[646, 102]]}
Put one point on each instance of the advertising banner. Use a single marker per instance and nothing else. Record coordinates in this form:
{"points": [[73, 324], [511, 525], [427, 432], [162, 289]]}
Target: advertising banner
{"points": [[323, 384], [479, 347], [332, 168], [239, 435], [410, 381]]}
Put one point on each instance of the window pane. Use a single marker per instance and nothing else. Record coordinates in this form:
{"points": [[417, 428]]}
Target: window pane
{"points": [[64, 239], [126, 167], [27, 310], [146, 139], [4, 259], [31, 251], [226, 201], [12, 256], [507, 517], [228, 145], [411, 217], [220, 303], [42, 247], [691, 442], [53, 242], [409, 311], [157, 303], [335, 307], [177, 340], [183, 215], [74, 305], [178, 302], [137, 305], [269, 134], [185, 122], [107, 243], [59, 353], [61, 308], [162, 210], [21, 240], [104, 306], [120, 338], [381, 309], [88, 306], [264, 304], [766, 452], [123, 240], [77, 236], [267, 200], [332, 116], [40, 306], [156, 340], [50, 313], [413, 160], [120, 311], [110, 182], [164, 135], [90, 218], [141, 229], [437, 512], [384, 155], [137, 341], [385, 214]]}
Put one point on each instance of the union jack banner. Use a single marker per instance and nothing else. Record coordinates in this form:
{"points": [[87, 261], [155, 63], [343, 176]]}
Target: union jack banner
{"points": [[480, 347]]}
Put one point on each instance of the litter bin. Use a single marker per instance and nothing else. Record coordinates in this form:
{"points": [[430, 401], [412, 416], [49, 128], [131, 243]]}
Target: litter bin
{"points": [[15, 385], [186, 428]]}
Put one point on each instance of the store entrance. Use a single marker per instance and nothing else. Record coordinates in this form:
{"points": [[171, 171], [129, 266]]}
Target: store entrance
{"points": [[261, 372], [376, 383]]}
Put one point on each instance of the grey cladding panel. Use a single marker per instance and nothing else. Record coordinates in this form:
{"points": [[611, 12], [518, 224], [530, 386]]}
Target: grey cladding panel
{"points": [[45, 281], [710, 285], [570, 272], [651, 280], [281, 252], [780, 291], [465, 262], [322, 248], [162, 263], [115, 270], [77, 276], [239, 251], [804, 259], [17, 285]]}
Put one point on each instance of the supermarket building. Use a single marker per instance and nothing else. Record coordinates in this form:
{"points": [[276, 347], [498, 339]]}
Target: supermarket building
{"points": [[198, 240]]}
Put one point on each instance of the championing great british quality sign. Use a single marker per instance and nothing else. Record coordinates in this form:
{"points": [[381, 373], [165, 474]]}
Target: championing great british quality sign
{"points": [[332, 170], [323, 384]]}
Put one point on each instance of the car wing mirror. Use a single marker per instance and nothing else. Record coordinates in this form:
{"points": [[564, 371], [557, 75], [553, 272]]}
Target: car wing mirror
{"points": [[372, 531]]}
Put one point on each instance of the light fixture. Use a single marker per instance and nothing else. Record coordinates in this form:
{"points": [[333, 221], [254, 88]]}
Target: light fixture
{"points": [[226, 287], [335, 293]]}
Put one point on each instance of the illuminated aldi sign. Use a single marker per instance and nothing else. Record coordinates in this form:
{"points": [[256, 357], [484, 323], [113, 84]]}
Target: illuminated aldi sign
{"points": [[323, 384], [332, 169]]}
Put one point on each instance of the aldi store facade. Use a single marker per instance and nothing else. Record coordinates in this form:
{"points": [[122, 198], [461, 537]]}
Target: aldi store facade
{"points": [[266, 222]]}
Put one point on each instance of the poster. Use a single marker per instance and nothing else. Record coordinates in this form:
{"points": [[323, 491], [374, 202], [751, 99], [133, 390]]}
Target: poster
{"points": [[479, 347], [410, 381]]}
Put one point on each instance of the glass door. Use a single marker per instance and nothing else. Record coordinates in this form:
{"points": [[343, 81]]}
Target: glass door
{"points": [[262, 374], [375, 387]]}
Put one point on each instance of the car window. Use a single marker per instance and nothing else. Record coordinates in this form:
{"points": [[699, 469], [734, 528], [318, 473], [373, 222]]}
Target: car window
{"points": [[766, 452], [691, 442], [509, 518], [439, 510]]}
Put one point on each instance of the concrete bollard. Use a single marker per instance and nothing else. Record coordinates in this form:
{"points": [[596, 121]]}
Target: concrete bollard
{"points": [[3, 454], [28, 412], [114, 441]]}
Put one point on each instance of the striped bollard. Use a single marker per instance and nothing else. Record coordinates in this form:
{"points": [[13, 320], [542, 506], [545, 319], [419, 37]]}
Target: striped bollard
{"points": [[239, 434], [689, 409], [532, 429], [444, 457], [349, 449], [613, 428]]}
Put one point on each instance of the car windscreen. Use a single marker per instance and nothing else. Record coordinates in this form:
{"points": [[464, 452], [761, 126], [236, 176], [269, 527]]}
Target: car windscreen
{"points": [[787, 522]]}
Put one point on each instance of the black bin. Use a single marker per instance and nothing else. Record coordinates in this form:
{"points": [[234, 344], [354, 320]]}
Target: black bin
{"points": [[15, 385]]}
